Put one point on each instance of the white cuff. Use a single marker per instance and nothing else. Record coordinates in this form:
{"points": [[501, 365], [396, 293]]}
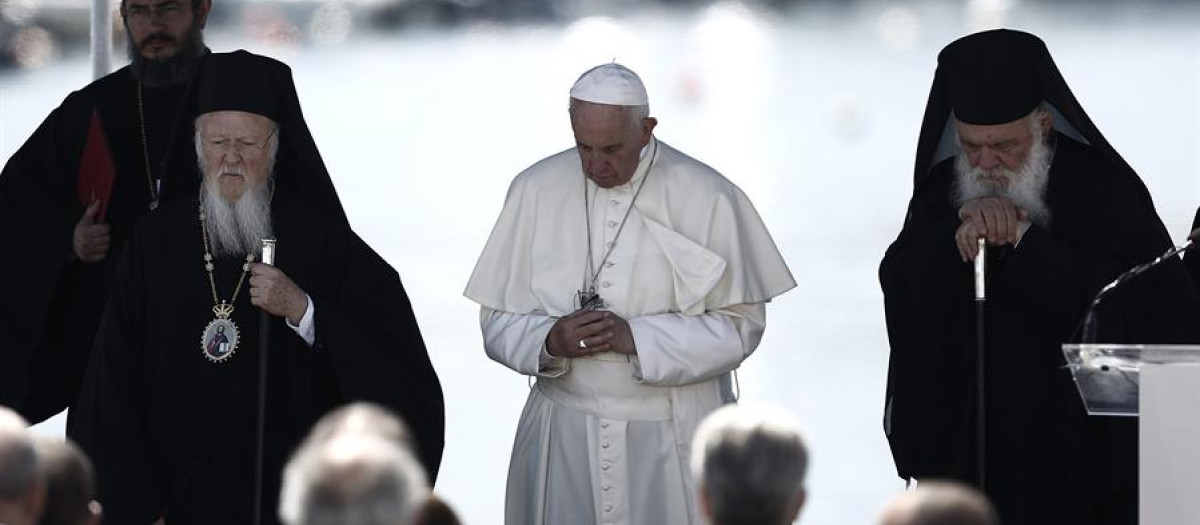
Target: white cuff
{"points": [[551, 366], [306, 330], [1021, 235]]}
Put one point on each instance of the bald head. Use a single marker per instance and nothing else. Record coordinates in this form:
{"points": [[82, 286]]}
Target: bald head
{"points": [[940, 503]]}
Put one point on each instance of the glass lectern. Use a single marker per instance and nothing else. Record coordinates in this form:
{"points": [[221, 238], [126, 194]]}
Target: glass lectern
{"points": [[1161, 385]]}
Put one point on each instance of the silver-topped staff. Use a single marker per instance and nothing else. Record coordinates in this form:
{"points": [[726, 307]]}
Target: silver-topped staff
{"points": [[980, 370], [264, 331]]}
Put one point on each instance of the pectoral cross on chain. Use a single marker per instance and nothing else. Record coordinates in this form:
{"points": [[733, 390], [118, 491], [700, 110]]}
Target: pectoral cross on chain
{"points": [[589, 300]]}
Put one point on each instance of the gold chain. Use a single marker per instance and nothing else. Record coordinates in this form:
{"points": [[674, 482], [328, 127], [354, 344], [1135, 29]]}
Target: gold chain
{"points": [[208, 266]]}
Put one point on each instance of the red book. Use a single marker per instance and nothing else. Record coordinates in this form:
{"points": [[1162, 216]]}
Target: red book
{"points": [[96, 169]]}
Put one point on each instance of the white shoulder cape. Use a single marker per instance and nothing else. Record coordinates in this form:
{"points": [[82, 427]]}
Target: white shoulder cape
{"points": [[719, 250]]}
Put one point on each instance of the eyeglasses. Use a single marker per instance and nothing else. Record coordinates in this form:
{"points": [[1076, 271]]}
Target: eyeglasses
{"points": [[144, 13], [241, 145]]}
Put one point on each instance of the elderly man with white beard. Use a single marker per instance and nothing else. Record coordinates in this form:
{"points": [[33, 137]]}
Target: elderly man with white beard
{"points": [[1007, 154], [174, 376], [1000, 180]]}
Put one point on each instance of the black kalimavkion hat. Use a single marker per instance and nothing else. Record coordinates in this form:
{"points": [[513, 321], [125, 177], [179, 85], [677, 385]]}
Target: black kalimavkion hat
{"points": [[995, 77], [243, 81]]}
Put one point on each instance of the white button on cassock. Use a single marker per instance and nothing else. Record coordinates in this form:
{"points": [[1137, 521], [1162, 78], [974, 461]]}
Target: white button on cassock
{"points": [[612, 501]]}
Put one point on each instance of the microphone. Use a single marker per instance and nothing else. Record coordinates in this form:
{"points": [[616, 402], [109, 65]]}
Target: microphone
{"points": [[1089, 328]]}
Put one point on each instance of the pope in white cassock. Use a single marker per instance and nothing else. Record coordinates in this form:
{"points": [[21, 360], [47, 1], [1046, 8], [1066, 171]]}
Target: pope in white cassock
{"points": [[630, 279]]}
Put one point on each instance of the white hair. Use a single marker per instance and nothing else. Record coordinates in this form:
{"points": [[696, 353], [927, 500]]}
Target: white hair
{"points": [[353, 479], [1026, 185], [360, 417], [750, 462], [636, 114], [234, 229], [639, 113]]}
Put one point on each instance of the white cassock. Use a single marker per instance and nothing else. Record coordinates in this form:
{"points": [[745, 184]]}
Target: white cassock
{"points": [[606, 439]]}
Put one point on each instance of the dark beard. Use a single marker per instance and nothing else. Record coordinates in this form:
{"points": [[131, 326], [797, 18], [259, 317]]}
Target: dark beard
{"points": [[170, 71]]}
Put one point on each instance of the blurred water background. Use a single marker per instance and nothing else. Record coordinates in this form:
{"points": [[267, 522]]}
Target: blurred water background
{"points": [[425, 109]]}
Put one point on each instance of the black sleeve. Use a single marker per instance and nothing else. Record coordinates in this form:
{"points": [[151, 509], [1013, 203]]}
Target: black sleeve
{"points": [[1059, 274], [368, 328], [110, 417], [926, 292], [1054, 276], [37, 214]]}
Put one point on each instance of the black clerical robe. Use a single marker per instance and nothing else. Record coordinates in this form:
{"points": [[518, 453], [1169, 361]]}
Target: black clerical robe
{"points": [[51, 304], [1047, 461], [174, 433]]}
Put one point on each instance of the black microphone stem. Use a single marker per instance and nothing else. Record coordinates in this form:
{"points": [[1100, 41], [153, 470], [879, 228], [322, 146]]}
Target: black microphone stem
{"points": [[1088, 324]]}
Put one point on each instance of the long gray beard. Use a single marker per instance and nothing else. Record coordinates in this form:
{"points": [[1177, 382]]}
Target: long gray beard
{"points": [[1026, 187], [237, 229]]}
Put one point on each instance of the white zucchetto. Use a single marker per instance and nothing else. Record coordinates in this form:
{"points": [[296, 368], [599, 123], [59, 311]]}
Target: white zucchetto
{"points": [[611, 84]]}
